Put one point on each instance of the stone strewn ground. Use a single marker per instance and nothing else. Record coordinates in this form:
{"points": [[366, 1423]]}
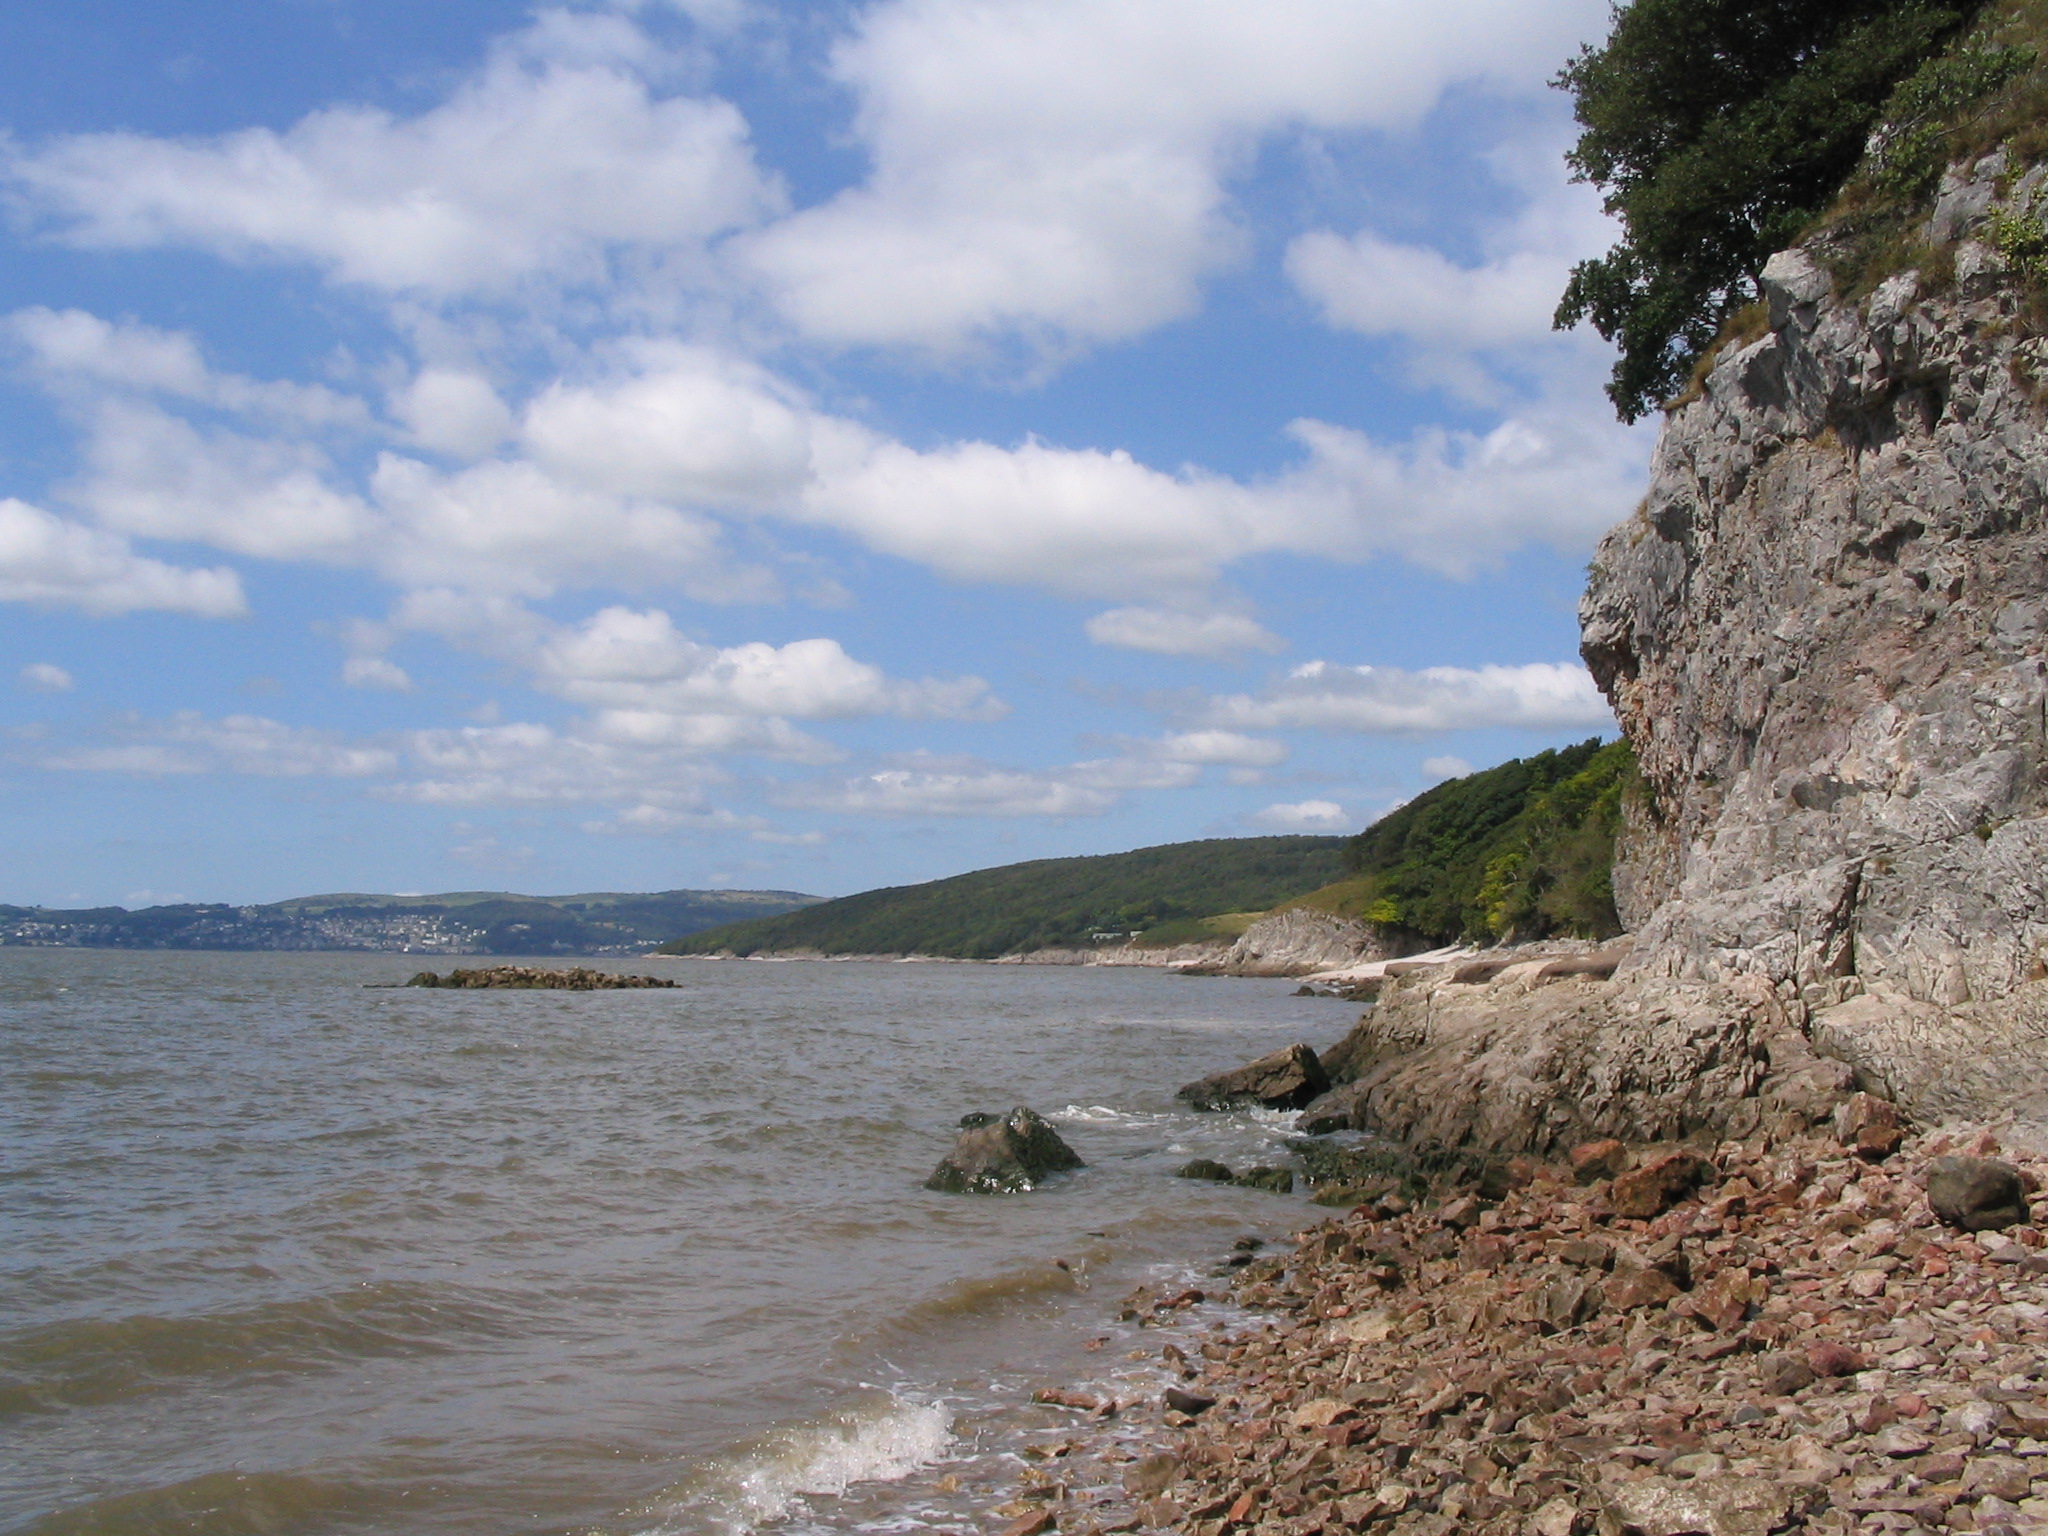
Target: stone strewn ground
{"points": [[1797, 1344]]}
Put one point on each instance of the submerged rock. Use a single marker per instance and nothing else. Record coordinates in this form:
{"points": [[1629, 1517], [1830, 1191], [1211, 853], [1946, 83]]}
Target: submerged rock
{"points": [[1002, 1156], [1205, 1168], [1285, 1079]]}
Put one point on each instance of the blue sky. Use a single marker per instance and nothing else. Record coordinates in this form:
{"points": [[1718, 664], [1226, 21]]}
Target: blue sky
{"points": [[709, 442]]}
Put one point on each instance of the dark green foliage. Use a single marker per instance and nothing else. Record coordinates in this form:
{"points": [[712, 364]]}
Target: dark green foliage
{"points": [[1045, 903], [1524, 850], [1719, 130], [1989, 91], [1910, 146]]}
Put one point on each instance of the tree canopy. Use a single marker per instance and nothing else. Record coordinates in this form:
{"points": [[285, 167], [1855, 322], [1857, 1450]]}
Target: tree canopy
{"points": [[1520, 851], [1719, 129]]}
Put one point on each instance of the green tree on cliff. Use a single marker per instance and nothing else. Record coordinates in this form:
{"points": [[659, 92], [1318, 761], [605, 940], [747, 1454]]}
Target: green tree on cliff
{"points": [[1719, 129]]}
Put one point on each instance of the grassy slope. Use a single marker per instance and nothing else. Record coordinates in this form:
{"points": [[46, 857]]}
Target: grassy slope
{"points": [[1045, 903]]}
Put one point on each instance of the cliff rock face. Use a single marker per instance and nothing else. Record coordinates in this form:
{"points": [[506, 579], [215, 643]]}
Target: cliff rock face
{"points": [[1301, 940], [1824, 632]]}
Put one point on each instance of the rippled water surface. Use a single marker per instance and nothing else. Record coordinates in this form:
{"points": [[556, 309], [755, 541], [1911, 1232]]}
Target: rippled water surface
{"points": [[285, 1250]]}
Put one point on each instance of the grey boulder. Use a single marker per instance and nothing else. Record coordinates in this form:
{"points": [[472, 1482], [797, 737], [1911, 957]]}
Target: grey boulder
{"points": [[1286, 1079], [1977, 1194], [1002, 1155]]}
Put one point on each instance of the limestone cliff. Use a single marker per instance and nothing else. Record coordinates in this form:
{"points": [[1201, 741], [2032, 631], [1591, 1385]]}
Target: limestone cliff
{"points": [[1824, 633]]}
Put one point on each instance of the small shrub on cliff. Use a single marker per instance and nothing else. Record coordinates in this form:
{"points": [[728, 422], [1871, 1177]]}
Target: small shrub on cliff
{"points": [[1910, 145], [1720, 129]]}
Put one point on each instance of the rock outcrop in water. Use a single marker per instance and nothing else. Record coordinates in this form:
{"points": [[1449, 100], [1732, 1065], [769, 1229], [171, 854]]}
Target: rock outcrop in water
{"points": [[530, 977], [1285, 1079], [1003, 1155]]}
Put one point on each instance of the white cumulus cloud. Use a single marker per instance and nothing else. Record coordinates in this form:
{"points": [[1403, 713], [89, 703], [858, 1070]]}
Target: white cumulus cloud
{"points": [[1058, 170], [375, 672], [1391, 701], [189, 743], [45, 677], [947, 787], [46, 560], [1228, 748], [1302, 816], [625, 659], [553, 156], [1168, 632]]}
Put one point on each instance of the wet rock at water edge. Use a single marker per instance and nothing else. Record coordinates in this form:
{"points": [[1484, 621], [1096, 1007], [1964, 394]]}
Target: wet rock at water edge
{"points": [[1286, 1079], [1977, 1194], [1279, 1180], [1205, 1168], [1002, 1155]]}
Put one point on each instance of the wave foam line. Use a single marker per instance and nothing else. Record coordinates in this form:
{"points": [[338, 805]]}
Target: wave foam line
{"points": [[771, 1483]]}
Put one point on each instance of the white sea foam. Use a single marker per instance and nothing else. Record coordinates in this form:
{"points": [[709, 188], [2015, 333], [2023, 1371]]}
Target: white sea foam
{"points": [[1100, 1113], [1278, 1119], [770, 1484]]}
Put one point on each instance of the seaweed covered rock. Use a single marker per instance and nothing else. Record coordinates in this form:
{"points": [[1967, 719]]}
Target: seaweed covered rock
{"points": [[1002, 1155]]}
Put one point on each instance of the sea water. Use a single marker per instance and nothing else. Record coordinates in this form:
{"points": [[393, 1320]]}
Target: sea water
{"points": [[286, 1248]]}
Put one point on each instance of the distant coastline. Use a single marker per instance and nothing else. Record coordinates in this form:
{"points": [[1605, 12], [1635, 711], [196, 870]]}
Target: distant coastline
{"points": [[452, 923]]}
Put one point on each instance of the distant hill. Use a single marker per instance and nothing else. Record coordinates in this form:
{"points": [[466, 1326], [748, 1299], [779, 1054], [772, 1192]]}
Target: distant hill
{"points": [[1043, 904], [454, 923]]}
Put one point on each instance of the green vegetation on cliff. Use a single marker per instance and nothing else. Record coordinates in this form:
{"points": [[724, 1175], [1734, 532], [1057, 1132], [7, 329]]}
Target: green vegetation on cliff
{"points": [[1719, 130], [1046, 903], [1523, 851], [1989, 91]]}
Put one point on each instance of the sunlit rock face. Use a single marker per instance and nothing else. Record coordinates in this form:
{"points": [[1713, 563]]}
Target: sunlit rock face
{"points": [[1823, 631]]}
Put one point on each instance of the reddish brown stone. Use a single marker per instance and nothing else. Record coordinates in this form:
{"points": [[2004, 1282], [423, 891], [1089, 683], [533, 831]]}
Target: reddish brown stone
{"points": [[1875, 1143], [1629, 1288], [1827, 1358], [1033, 1524], [1658, 1185], [1487, 1251], [1598, 1160]]}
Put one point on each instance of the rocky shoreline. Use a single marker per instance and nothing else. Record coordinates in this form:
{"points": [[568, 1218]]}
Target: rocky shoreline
{"points": [[1766, 1335], [1292, 942]]}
